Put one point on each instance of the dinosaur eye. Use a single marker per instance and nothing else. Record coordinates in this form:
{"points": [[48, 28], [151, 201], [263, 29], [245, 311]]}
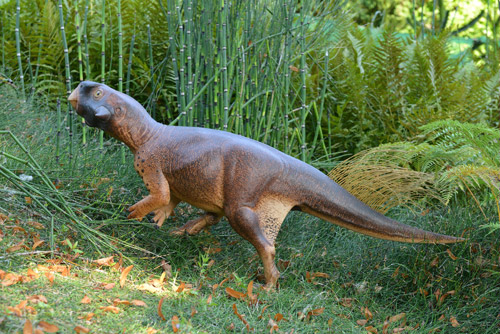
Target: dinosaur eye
{"points": [[98, 93]]}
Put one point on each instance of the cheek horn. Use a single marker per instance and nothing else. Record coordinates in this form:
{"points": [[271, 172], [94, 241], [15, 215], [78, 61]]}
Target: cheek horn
{"points": [[103, 113]]}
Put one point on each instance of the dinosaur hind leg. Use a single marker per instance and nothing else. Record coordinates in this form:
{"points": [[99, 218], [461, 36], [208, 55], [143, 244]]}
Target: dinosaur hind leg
{"points": [[194, 226], [260, 226]]}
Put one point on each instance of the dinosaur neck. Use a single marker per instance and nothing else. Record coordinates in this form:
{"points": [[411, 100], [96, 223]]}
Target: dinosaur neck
{"points": [[135, 131]]}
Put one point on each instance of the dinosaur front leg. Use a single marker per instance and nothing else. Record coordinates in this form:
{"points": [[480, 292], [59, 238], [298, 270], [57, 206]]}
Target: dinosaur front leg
{"points": [[159, 196], [165, 211]]}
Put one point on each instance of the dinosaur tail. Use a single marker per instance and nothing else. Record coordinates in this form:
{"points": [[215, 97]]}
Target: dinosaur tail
{"points": [[327, 200]]}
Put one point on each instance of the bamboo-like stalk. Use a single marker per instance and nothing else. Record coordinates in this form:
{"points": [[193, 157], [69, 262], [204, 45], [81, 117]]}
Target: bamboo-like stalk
{"points": [[129, 67], [3, 43], [151, 73], [225, 90], [68, 82], [58, 134], [80, 61], [303, 111], [103, 59], [189, 56], [103, 41], [318, 131], [120, 65], [85, 41], [37, 68], [18, 50]]}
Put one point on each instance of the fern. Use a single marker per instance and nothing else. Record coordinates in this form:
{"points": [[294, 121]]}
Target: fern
{"points": [[451, 156]]}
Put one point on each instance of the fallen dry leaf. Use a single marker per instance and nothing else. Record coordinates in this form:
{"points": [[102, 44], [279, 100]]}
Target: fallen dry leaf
{"points": [[371, 329], [36, 225], [111, 308], [32, 274], [17, 247], [38, 299], [454, 322], [106, 261], [118, 301], [159, 310], [136, 302], [181, 287], [85, 300], [124, 274], [451, 255], [209, 299], [151, 330], [81, 329], [249, 290], [49, 328], [175, 324], [28, 327], [108, 286], [397, 317], [50, 277], [87, 317], [234, 293], [361, 322], [446, 294], [366, 312], [273, 325]]}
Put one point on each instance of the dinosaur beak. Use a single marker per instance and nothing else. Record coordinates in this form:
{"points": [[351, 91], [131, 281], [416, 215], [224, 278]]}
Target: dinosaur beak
{"points": [[73, 98]]}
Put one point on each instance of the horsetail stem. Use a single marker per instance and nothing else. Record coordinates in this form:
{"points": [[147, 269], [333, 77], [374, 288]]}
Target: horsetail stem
{"points": [[18, 49], [68, 82], [151, 73], [120, 65], [103, 59], [303, 110], [85, 41], [80, 62], [129, 67]]}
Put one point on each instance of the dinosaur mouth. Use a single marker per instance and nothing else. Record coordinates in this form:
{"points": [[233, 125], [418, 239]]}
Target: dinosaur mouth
{"points": [[73, 99]]}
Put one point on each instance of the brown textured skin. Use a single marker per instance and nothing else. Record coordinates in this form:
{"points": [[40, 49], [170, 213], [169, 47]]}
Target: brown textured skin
{"points": [[252, 184]]}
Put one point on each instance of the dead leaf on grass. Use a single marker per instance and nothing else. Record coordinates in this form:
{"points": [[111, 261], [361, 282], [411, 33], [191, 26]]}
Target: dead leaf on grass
{"points": [[175, 324], [234, 293], [123, 276], [85, 300], [159, 310], [50, 277], [28, 327], [454, 322], [36, 225], [17, 247], [81, 329], [136, 302], [106, 261], [38, 299], [361, 322], [272, 325], [151, 330], [111, 308], [87, 317], [46, 327], [371, 329]]}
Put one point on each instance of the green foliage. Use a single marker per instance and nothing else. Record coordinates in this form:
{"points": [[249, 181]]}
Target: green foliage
{"points": [[446, 157], [387, 87]]}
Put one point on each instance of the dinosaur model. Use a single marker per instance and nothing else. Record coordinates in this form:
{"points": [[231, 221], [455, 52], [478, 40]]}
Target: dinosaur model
{"points": [[252, 184]]}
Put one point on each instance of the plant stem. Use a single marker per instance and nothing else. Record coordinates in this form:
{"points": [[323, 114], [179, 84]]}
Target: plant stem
{"points": [[18, 50]]}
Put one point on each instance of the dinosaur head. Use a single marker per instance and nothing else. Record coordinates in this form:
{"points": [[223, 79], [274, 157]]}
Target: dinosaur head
{"points": [[112, 111], [99, 104]]}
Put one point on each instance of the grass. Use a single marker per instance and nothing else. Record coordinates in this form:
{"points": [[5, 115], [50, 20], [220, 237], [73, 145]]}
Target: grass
{"points": [[348, 272]]}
